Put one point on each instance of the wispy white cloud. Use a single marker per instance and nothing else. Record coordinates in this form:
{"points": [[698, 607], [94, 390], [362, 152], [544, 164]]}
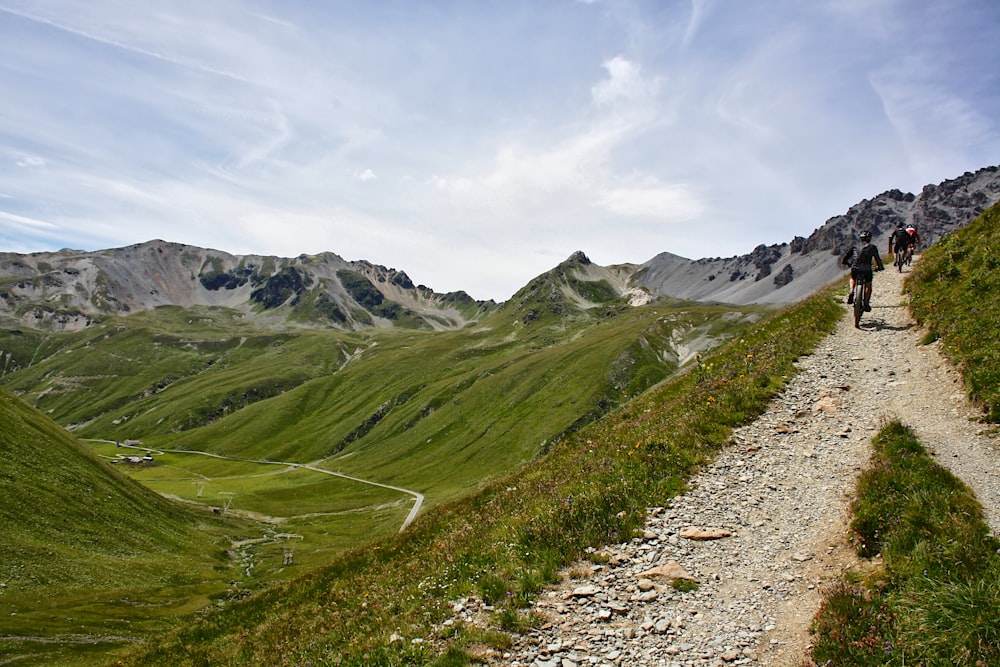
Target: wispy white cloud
{"points": [[697, 14], [22, 221]]}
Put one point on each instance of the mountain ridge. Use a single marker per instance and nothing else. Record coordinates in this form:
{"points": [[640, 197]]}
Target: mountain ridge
{"points": [[787, 272], [71, 289]]}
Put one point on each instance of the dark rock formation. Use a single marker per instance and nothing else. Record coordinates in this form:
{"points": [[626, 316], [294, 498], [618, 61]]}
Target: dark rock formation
{"points": [[785, 276]]}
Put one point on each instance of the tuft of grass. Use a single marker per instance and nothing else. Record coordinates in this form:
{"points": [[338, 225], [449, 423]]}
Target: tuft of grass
{"points": [[684, 585], [452, 657], [512, 620], [955, 292], [936, 597]]}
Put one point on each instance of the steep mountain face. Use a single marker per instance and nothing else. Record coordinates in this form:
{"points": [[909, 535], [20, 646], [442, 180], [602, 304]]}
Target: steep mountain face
{"points": [[788, 272], [66, 290]]}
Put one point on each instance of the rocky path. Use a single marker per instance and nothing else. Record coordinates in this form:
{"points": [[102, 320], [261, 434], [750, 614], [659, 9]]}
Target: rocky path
{"points": [[773, 507]]}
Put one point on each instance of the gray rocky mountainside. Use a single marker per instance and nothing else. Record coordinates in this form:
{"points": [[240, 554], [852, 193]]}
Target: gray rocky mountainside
{"points": [[788, 272], [70, 289]]}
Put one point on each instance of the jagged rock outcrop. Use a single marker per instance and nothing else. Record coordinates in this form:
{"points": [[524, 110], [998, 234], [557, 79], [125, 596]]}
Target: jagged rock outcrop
{"points": [[785, 276]]}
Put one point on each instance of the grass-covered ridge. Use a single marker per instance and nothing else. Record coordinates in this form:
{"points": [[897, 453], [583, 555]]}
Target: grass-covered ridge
{"points": [[935, 597], [955, 292], [506, 541]]}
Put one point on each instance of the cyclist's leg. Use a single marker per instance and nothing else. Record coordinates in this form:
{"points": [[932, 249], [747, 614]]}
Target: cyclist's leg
{"points": [[868, 294]]}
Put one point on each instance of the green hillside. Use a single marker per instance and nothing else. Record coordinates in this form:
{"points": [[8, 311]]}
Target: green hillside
{"points": [[335, 437], [88, 556], [506, 540], [434, 413]]}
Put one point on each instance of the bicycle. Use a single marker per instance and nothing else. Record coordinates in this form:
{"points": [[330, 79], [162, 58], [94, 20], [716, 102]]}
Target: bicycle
{"points": [[900, 258], [859, 299]]}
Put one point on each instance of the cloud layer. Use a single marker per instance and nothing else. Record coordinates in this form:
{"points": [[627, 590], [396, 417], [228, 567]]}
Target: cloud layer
{"points": [[476, 145]]}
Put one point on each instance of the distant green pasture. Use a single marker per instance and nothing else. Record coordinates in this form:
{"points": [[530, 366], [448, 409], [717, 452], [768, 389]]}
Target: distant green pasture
{"points": [[285, 489], [323, 508]]}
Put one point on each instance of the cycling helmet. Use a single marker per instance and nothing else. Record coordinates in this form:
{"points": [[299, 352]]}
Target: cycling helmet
{"points": [[865, 236]]}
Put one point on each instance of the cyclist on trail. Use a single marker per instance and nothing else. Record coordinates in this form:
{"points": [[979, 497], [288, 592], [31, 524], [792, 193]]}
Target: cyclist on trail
{"points": [[914, 242], [899, 241], [859, 258]]}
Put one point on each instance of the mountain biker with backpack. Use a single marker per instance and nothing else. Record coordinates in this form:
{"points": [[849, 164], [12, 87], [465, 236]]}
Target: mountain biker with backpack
{"points": [[899, 241], [860, 258]]}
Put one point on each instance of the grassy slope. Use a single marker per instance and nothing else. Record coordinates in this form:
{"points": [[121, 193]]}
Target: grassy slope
{"points": [[955, 293], [107, 371], [505, 541], [77, 540], [483, 405]]}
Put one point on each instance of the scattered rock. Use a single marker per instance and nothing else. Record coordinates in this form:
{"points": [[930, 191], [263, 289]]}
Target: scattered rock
{"points": [[696, 533], [670, 571], [825, 404], [585, 592]]}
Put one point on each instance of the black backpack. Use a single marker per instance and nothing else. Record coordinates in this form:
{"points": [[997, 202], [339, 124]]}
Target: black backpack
{"points": [[848, 257]]}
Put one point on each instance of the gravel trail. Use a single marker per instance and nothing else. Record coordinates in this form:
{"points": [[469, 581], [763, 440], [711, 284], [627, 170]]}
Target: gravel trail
{"points": [[774, 509]]}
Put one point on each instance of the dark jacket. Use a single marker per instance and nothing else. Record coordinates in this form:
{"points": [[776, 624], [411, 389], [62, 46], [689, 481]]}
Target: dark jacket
{"points": [[860, 258]]}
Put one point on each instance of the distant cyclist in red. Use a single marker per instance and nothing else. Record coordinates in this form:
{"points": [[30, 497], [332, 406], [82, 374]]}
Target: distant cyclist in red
{"points": [[860, 258], [914, 241]]}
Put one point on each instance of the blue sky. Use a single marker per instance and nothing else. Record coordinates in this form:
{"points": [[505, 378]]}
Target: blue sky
{"points": [[477, 143]]}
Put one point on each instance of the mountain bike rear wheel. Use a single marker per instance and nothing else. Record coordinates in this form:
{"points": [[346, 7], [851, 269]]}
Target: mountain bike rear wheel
{"points": [[859, 301]]}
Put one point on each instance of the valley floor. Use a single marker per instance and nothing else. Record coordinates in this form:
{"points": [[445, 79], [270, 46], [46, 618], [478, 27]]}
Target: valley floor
{"points": [[781, 492]]}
